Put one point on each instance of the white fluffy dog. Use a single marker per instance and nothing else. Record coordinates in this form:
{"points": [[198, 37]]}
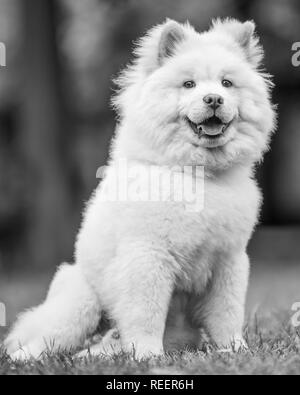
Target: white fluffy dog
{"points": [[162, 272]]}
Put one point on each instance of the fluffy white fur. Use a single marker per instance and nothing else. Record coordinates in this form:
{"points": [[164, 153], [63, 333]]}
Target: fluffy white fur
{"points": [[160, 272]]}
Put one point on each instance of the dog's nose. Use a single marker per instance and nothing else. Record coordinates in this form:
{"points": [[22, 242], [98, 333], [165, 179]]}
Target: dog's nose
{"points": [[213, 101]]}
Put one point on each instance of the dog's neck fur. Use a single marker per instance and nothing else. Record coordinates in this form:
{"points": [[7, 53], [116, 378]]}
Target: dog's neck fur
{"points": [[134, 151]]}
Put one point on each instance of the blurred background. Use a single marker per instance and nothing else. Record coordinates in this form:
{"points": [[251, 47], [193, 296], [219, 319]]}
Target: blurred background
{"points": [[56, 125]]}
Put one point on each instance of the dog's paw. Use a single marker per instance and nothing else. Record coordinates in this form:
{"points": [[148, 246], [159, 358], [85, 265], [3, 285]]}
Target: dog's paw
{"points": [[145, 354], [26, 353], [238, 344], [21, 355], [145, 349], [14, 344], [25, 331], [22, 344]]}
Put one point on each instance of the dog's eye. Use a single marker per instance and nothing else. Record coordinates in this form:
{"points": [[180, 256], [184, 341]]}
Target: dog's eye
{"points": [[227, 84], [189, 84]]}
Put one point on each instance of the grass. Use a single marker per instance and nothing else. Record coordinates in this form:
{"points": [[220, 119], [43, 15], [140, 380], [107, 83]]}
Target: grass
{"points": [[274, 342]]}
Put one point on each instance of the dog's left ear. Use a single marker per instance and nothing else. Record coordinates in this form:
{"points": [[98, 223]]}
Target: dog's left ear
{"points": [[244, 34], [172, 34]]}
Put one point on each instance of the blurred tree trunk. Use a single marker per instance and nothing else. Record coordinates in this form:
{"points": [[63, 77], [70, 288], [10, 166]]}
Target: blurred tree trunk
{"points": [[50, 220]]}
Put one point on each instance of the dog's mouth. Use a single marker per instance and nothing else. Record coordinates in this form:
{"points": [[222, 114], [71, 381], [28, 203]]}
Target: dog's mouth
{"points": [[211, 128]]}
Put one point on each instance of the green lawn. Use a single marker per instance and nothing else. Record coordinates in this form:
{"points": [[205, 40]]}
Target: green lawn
{"points": [[274, 342]]}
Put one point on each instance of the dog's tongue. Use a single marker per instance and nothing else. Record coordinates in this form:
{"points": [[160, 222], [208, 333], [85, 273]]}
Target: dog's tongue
{"points": [[212, 126], [212, 130]]}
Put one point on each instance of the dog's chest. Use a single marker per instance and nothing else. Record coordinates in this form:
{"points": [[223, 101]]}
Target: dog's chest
{"points": [[222, 218], [200, 240], [223, 226]]}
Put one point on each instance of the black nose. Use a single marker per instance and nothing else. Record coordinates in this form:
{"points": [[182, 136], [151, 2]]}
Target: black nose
{"points": [[213, 101]]}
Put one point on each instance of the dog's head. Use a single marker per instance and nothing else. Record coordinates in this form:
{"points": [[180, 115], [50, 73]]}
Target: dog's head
{"points": [[192, 98]]}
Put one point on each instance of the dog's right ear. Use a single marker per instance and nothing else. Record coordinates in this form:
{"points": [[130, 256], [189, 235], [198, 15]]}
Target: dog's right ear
{"points": [[151, 52], [159, 44], [172, 34]]}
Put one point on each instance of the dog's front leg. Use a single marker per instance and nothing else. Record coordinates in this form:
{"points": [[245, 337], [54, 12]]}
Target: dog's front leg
{"points": [[142, 295], [223, 310]]}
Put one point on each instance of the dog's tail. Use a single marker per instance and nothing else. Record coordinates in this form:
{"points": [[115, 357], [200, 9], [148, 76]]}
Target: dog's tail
{"points": [[70, 313]]}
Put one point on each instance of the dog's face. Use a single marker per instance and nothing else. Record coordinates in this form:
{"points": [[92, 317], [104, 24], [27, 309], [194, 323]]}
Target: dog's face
{"points": [[195, 98]]}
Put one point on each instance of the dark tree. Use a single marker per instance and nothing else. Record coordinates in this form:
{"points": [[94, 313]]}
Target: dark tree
{"points": [[44, 138]]}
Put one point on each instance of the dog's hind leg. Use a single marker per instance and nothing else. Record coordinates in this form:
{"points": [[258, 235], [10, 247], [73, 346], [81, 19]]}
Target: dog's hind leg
{"points": [[69, 314]]}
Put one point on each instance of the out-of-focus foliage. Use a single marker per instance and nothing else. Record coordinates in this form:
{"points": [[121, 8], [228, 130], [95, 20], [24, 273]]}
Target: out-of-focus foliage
{"points": [[55, 117]]}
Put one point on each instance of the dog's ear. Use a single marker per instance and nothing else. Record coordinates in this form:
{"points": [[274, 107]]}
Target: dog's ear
{"points": [[151, 51], [244, 35], [159, 44], [172, 34]]}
